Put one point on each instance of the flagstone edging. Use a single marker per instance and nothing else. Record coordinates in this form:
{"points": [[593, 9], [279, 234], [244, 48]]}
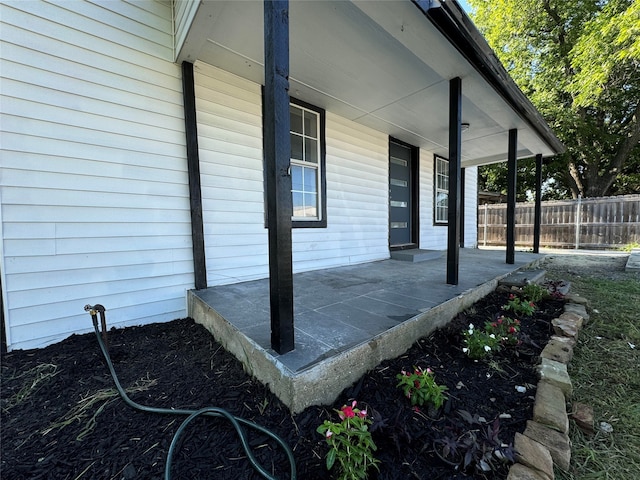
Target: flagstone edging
{"points": [[545, 442]]}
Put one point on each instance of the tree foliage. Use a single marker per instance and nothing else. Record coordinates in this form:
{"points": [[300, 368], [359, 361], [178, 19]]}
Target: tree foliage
{"points": [[579, 63]]}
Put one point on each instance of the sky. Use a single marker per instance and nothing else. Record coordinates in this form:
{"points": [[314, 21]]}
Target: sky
{"points": [[465, 5]]}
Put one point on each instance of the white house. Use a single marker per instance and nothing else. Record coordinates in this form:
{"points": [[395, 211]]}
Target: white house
{"points": [[95, 198]]}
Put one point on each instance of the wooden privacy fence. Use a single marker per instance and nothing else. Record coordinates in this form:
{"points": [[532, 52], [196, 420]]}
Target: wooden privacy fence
{"points": [[584, 223]]}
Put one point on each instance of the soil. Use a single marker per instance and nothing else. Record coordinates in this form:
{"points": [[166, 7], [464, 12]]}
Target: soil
{"points": [[62, 420]]}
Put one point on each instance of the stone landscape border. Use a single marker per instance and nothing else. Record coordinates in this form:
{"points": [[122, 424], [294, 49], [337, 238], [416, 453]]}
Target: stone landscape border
{"points": [[545, 442]]}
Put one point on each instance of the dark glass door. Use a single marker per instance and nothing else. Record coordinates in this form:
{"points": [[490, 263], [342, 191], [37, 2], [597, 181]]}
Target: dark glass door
{"points": [[400, 195]]}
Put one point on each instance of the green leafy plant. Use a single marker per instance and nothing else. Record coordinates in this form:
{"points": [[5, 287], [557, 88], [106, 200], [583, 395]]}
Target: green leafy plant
{"points": [[519, 306], [506, 329], [472, 444], [421, 388], [351, 443], [534, 292], [479, 344]]}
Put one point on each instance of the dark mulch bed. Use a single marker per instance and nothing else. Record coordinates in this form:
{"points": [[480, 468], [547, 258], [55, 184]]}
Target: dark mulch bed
{"points": [[178, 364]]}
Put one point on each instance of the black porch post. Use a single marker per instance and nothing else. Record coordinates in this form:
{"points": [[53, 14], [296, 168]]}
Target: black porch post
{"points": [[193, 167], [512, 168], [453, 219], [277, 145], [537, 212], [462, 201]]}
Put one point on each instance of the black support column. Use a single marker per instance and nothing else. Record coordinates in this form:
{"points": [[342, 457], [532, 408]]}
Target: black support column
{"points": [[512, 170], [193, 168], [462, 202], [455, 133], [277, 145], [537, 212]]}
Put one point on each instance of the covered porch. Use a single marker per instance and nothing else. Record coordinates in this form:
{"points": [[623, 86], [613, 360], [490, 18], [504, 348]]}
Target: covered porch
{"points": [[347, 319]]}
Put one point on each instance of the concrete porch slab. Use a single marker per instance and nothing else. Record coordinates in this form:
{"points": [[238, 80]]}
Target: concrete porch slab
{"points": [[347, 319]]}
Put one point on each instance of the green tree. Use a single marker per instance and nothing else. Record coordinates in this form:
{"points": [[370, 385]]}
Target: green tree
{"points": [[579, 63]]}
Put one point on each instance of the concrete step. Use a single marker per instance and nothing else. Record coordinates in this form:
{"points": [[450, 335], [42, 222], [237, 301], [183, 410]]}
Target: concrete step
{"points": [[521, 277], [415, 255], [633, 262]]}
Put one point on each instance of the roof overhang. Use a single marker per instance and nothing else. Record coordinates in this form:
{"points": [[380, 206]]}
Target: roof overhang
{"points": [[385, 65]]}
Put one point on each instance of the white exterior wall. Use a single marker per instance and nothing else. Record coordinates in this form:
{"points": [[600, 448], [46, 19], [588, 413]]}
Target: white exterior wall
{"points": [[471, 207], [230, 142], [94, 202], [434, 237], [357, 201]]}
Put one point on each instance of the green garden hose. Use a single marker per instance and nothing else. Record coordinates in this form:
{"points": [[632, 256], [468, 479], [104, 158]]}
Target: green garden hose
{"points": [[236, 422]]}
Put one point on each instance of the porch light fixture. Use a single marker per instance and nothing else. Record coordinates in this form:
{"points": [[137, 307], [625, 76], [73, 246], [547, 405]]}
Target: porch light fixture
{"points": [[464, 127]]}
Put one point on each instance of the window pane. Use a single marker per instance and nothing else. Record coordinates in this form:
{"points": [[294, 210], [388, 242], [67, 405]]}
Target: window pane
{"points": [[310, 180], [311, 124], [310, 150], [310, 205], [298, 204], [398, 183], [295, 116], [399, 161], [296, 178], [296, 147], [398, 224]]}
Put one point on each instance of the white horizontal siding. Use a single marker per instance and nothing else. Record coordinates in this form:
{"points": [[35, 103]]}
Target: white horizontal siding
{"points": [[471, 207], [432, 236], [93, 188], [357, 200], [230, 143], [229, 116]]}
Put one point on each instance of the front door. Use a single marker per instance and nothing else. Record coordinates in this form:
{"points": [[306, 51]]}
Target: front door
{"points": [[401, 196]]}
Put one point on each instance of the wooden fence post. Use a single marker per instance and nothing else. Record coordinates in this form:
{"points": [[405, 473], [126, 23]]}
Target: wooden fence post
{"points": [[578, 213]]}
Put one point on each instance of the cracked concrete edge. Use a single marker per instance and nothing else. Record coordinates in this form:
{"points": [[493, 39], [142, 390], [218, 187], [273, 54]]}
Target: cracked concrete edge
{"points": [[525, 468]]}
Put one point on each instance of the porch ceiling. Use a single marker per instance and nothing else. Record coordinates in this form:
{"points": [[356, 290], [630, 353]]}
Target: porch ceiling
{"points": [[381, 64]]}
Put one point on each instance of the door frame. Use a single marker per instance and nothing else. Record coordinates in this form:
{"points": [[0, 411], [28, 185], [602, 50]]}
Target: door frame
{"points": [[414, 194]]}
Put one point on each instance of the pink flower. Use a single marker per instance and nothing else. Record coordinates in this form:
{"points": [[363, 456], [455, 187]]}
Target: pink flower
{"points": [[512, 330], [429, 370], [416, 409], [347, 412], [329, 433], [362, 413]]}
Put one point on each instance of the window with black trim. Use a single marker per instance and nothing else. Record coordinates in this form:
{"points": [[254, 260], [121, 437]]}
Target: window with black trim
{"points": [[307, 165], [441, 190]]}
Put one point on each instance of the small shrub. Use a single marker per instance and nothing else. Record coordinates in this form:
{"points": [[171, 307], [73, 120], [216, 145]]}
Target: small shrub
{"points": [[506, 329], [351, 443], [479, 344], [519, 307], [534, 292], [421, 388]]}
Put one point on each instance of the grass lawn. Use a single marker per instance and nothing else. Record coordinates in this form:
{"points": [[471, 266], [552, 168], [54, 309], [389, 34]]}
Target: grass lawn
{"points": [[605, 372]]}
